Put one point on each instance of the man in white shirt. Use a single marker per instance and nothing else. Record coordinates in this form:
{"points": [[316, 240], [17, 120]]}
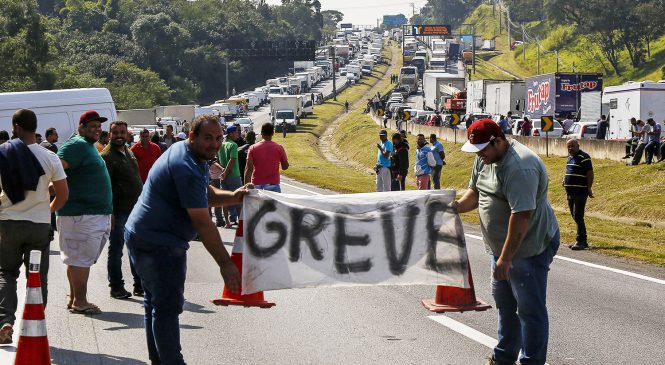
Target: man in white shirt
{"points": [[567, 124], [25, 210], [643, 140]]}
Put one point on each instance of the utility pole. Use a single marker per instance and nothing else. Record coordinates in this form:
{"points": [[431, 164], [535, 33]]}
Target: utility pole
{"points": [[473, 47], [510, 40], [227, 77], [537, 57], [556, 53], [334, 62], [523, 43]]}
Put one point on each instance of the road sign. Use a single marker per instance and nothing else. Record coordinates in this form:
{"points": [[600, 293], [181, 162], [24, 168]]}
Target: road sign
{"points": [[548, 123], [304, 50], [455, 119], [431, 30], [407, 115], [346, 25]]}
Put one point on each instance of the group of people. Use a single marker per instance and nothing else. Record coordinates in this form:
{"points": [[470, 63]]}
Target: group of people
{"points": [[155, 201], [392, 162], [394, 78], [645, 140]]}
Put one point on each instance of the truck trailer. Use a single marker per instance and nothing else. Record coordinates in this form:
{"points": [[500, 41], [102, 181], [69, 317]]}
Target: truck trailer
{"points": [[286, 109], [494, 96], [432, 87], [558, 94], [639, 100]]}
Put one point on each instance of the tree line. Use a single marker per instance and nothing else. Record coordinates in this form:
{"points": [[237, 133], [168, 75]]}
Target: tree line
{"points": [[148, 52]]}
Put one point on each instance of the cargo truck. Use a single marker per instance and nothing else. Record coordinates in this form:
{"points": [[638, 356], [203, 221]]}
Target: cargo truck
{"points": [[640, 100], [432, 87], [558, 94], [286, 109], [408, 79], [494, 96]]}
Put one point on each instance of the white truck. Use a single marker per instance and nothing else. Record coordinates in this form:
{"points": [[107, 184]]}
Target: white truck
{"points": [[262, 94], [286, 109], [640, 100], [300, 66], [60, 109], [354, 69], [432, 82], [494, 96]]}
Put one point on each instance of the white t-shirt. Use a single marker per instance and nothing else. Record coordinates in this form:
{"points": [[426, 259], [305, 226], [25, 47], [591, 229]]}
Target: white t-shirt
{"points": [[645, 137], [35, 207]]}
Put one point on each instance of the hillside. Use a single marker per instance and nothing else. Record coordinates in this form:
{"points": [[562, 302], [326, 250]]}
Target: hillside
{"points": [[576, 52]]}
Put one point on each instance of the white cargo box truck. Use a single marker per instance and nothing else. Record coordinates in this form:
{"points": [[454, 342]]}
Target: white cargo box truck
{"points": [[641, 100], [60, 109], [432, 82], [286, 109], [505, 96]]}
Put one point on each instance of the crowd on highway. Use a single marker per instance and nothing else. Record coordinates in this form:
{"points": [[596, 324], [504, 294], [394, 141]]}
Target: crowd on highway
{"points": [[152, 196]]}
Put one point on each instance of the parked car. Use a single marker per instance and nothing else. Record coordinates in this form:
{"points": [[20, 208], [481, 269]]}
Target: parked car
{"points": [[246, 124], [583, 130]]}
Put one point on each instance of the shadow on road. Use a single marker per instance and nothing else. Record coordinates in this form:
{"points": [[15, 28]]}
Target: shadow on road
{"points": [[196, 308], [70, 357]]}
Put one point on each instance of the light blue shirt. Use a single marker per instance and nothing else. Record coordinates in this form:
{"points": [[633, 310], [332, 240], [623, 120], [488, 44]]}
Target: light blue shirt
{"points": [[380, 158], [437, 148]]}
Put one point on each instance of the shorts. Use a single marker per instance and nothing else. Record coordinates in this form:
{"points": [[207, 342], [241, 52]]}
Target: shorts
{"points": [[82, 238]]}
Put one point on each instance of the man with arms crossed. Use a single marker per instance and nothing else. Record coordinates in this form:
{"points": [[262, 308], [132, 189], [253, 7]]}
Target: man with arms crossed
{"points": [[509, 187], [24, 211], [171, 210], [263, 161], [84, 223]]}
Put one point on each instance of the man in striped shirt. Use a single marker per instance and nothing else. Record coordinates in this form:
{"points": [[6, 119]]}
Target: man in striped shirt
{"points": [[578, 182]]}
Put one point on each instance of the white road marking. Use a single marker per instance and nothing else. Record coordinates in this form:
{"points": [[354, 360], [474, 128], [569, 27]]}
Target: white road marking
{"points": [[575, 261]]}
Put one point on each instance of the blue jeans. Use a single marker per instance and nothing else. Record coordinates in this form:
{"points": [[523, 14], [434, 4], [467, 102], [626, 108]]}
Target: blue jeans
{"points": [[116, 243], [521, 302], [270, 187], [163, 271]]}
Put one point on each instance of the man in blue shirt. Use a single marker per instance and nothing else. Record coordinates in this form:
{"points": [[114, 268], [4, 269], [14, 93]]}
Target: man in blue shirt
{"points": [[385, 147], [172, 209], [439, 156]]}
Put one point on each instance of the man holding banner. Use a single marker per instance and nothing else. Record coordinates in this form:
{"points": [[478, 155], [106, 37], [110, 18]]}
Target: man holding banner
{"points": [[509, 187]]}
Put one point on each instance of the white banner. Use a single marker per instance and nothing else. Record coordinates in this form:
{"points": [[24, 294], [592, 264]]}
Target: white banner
{"points": [[392, 238]]}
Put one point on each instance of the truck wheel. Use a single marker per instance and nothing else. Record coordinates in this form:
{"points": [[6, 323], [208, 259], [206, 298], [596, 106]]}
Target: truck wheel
{"points": [[256, 108]]}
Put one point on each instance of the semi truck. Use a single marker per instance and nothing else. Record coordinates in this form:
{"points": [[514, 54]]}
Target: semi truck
{"points": [[558, 94], [494, 96], [286, 109], [432, 87], [639, 100], [408, 79]]}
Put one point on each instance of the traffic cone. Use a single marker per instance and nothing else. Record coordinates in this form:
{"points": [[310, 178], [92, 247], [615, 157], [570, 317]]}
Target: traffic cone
{"points": [[454, 299], [32, 346], [230, 298]]}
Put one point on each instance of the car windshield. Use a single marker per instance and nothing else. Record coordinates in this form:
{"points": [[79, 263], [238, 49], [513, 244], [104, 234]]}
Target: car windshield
{"points": [[243, 121], [284, 115]]}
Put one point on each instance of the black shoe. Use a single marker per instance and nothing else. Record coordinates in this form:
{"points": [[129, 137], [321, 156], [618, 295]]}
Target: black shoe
{"points": [[579, 247], [120, 293], [138, 291], [219, 224], [626, 156]]}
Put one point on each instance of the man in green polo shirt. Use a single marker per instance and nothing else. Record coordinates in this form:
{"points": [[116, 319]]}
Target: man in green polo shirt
{"points": [[230, 180], [84, 223]]}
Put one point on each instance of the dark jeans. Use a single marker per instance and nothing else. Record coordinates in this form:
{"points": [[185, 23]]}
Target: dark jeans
{"points": [[631, 145], [577, 203], [651, 149], [116, 243], [662, 151], [398, 184], [436, 176], [638, 153], [522, 305], [163, 271], [17, 239]]}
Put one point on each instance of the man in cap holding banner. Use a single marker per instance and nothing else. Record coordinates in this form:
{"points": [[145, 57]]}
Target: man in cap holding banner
{"points": [[509, 187]]}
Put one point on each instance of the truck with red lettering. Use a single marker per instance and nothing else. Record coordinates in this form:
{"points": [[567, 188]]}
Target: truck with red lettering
{"points": [[558, 94]]}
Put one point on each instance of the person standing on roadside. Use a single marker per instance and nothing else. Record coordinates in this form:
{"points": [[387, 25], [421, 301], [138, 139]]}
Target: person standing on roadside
{"points": [[51, 139], [440, 157], [103, 141], [26, 169], [126, 186], [399, 163], [230, 179], [567, 124], [578, 182], [154, 138], [263, 161], [382, 169], [243, 149], [84, 222], [508, 186], [424, 163], [146, 153], [171, 210], [601, 131], [505, 123], [169, 137]]}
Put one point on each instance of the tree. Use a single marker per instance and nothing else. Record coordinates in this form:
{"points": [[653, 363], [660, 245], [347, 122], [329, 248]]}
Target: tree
{"points": [[651, 28]]}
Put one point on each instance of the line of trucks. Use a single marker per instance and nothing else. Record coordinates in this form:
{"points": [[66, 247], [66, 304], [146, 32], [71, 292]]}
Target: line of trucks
{"points": [[580, 96]]}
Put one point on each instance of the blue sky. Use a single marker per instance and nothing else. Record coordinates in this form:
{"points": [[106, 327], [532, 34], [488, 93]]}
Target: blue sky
{"points": [[366, 12]]}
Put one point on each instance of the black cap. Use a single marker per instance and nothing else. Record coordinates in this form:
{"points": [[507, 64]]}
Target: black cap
{"points": [[383, 133]]}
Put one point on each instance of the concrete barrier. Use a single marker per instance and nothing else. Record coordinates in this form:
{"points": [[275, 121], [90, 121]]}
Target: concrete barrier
{"points": [[607, 150]]}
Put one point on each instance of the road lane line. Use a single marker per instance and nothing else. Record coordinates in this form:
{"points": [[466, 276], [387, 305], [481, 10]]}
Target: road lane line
{"points": [[465, 330], [596, 266], [575, 261]]}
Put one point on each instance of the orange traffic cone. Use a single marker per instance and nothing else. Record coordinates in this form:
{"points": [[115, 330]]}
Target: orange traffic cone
{"points": [[33, 344], [230, 298], [454, 299]]}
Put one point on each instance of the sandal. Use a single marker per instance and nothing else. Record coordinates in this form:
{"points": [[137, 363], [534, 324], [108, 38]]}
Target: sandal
{"points": [[92, 310]]}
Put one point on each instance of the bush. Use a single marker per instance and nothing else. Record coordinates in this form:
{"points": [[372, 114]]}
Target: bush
{"points": [[559, 37]]}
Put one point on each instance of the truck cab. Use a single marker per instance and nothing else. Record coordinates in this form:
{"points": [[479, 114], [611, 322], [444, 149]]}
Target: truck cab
{"points": [[287, 117]]}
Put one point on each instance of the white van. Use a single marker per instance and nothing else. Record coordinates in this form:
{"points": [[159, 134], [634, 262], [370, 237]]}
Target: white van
{"points": [[60, 109]]}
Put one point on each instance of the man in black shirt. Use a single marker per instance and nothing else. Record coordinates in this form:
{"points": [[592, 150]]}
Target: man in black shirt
{"points": [[578, 182], [399, 163], [51, 136]]}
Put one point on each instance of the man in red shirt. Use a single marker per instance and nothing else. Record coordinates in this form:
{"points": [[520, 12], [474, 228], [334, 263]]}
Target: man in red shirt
{"points": [[263, 161], [146, 154]]}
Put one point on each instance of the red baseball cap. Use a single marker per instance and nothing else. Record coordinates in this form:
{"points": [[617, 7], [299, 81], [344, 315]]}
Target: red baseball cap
{"points": [[481, 133], [89, 116]]}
